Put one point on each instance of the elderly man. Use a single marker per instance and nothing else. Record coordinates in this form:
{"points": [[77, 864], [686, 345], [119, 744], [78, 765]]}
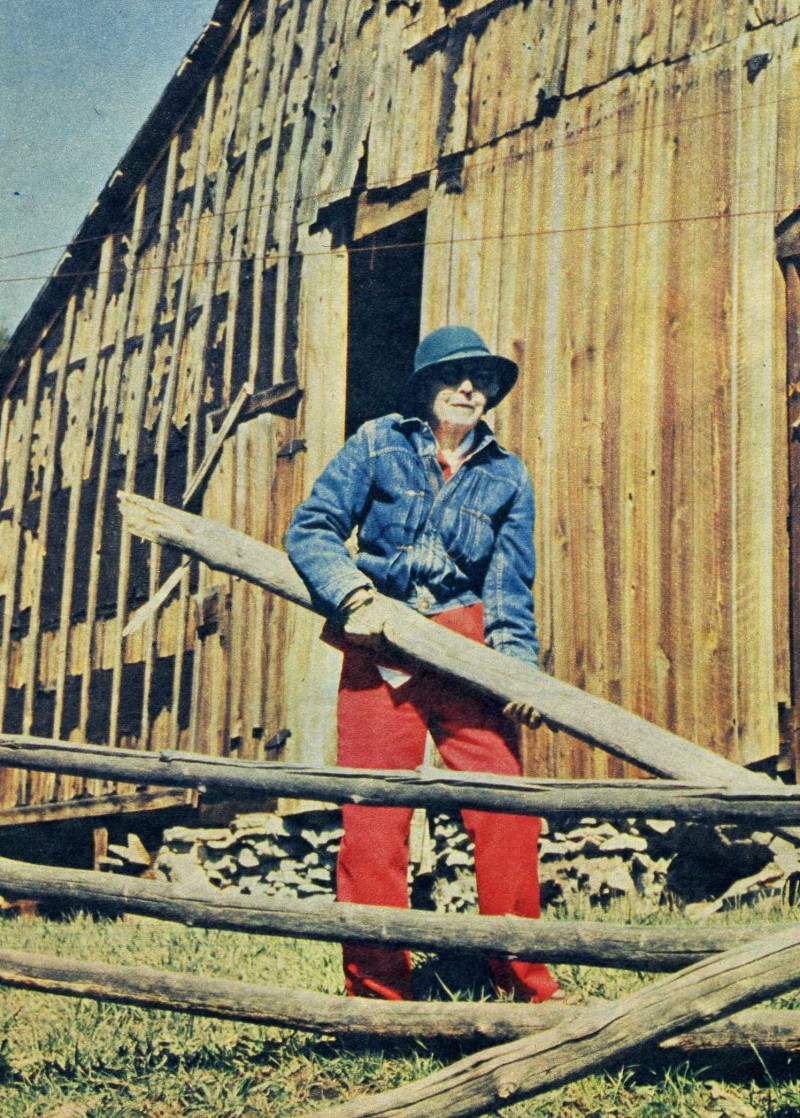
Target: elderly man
{"points": [[444, 519]]}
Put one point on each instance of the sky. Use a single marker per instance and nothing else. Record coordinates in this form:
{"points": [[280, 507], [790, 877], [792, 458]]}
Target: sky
{"points": [[77, 81]]}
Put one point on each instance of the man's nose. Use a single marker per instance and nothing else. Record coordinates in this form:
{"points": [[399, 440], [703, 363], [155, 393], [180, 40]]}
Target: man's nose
{"points": [[466, 386]]}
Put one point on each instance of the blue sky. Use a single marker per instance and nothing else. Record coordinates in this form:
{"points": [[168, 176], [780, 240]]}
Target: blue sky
{"points": [[77, 81]]}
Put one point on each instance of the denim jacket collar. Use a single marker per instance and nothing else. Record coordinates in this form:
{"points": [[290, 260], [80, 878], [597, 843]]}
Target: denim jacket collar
{"points": [[423, 439]]}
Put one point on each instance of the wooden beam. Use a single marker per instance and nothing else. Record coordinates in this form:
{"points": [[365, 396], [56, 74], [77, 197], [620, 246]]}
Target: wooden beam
{"points": [[373, 215], [114, 380], [563, 706], [594, 1038], [230, 95], [95, 807], [151, 607], [155, 282], [770, 805], [17, 500], [280, 398], [622, 946], [32, 652], [201, 475]]}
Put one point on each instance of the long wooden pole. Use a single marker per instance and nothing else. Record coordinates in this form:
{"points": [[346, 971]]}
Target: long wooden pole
{"points": [[562, 941], [594, 1038], [593, 719], [768, 1031], [766, 806]]}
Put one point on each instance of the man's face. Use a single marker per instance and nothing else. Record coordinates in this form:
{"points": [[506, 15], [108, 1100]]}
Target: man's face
{"points": [[459, 394]]}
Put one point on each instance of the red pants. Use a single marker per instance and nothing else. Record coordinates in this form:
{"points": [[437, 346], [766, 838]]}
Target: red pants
{"points": [[382, 728]]}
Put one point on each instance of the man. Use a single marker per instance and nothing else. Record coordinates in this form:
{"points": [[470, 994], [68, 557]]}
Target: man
{"points": [[444, 517]]}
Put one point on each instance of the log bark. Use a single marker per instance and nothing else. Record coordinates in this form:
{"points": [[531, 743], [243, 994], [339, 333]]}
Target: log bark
{"points": [[771, 1032], [764, 807], [559, 941], [589, 717], [594, 1038]]}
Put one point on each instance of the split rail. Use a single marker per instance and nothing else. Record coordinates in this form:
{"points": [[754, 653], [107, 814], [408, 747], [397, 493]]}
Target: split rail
{"points": [[534, 1048]]}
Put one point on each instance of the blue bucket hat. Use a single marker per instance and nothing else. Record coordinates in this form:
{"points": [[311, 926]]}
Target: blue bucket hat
{"points": [[460, 343]]}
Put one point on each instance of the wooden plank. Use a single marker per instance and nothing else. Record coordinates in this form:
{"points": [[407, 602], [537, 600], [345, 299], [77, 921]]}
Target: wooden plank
{"points": [[372, 216], [221, 143], [224, 133], [310, 710], [114, 380], [287, 198], [31, 667], [13, 553], [590, 717], [793, 425], [96, 807], [280, 398], [154, 604], [167, 418], [214, 447], [752, 377], [274, 111], [782, 544], [258, 82], [192, 364], [133, 419], [241, 607]]}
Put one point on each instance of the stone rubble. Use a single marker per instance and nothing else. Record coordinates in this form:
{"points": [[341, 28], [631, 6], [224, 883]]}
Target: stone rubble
{"points": [[700, 867]]}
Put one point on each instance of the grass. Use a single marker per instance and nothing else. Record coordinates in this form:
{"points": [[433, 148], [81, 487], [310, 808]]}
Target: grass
{"points": [[67, 1058]]}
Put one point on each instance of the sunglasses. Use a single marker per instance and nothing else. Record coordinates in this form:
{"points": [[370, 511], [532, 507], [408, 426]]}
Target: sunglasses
{"points": [[455, 373]]}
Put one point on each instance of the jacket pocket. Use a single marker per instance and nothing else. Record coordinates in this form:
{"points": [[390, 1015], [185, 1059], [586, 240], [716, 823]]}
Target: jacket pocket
{"points": [[472, 537]]}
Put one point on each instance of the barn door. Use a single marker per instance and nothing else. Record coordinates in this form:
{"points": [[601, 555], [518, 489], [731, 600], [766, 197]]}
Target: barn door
{"points": [[384, 300]]}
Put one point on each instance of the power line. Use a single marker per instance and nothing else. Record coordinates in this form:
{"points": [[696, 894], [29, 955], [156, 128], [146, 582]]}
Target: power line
{"points": [[545, 146], [477, 238]]}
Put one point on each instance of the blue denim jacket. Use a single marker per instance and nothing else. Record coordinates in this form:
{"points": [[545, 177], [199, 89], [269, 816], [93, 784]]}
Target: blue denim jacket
{"points": [[432, 544]]}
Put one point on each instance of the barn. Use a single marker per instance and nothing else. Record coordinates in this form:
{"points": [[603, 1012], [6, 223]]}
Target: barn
{"points": [[607, 190]]}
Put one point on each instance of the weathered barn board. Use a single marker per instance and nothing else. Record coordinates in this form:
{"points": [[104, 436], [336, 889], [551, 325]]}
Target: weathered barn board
{"points": [[595, 187]]}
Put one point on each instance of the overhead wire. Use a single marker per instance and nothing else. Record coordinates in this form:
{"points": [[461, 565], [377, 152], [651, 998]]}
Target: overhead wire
{"points": [[336, 191], [729, 215]]}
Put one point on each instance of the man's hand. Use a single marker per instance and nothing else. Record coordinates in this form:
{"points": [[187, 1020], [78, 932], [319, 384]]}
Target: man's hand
{"points": [[523, 712], [363, 615]]}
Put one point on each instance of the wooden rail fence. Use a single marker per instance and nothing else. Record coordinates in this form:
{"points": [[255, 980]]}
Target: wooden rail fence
{"points": [[535, 1048]]}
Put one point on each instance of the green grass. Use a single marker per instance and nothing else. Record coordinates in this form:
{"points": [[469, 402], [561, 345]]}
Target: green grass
{"points": [[69, 1058]]}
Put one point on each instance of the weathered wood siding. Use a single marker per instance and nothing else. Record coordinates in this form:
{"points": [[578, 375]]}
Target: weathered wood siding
{"points": [[603, 184]]}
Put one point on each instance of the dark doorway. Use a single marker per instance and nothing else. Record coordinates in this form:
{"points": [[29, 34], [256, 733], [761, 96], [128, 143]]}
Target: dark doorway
{"points": [[385, 301]]}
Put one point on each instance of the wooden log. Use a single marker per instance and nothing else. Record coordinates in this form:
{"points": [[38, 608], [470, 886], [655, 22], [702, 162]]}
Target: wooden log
{"points": [[770, 805], [266, 1005], [563, 706], [594, 1038], [770, 1032], [622, 946]]}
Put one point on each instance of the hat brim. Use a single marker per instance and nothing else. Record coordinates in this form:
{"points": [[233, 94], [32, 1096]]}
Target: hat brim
{"points": [[504, 369]]}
